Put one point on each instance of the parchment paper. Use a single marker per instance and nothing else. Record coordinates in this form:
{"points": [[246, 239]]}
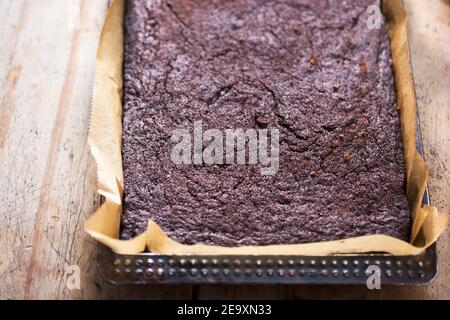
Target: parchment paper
{"points": [[105, 140]]}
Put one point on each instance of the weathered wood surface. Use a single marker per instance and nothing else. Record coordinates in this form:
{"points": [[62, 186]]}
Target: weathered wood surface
{"points": [[47, 176]]}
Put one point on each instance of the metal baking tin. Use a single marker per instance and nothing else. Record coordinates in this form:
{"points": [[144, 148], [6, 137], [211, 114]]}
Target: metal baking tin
{"points": [[151, 268]]}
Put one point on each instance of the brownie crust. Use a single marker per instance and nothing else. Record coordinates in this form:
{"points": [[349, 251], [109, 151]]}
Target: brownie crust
{"points": [[311, 69]]}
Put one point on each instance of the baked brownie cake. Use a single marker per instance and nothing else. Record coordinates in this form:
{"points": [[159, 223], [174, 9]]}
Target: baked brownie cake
{"points": [[311, 69]]}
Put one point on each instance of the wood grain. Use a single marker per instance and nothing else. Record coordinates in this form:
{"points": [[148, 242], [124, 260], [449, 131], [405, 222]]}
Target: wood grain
{"points": [[47, 56]]}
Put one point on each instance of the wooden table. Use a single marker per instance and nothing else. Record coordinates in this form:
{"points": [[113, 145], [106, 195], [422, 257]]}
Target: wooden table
{"points": [[47, 53]]}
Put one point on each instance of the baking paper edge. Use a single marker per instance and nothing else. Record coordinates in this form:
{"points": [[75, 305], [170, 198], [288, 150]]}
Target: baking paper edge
{"points": [[105, 139]]}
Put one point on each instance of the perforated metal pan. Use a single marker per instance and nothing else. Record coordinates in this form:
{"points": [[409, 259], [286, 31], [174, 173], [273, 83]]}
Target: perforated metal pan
{"points": [[151, 268]]}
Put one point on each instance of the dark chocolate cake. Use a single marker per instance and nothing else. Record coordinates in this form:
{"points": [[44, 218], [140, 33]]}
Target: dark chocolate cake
{"points": [[313, 70]]}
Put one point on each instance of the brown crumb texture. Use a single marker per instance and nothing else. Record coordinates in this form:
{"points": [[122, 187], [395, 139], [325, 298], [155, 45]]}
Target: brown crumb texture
{"points": [[311, 69]]}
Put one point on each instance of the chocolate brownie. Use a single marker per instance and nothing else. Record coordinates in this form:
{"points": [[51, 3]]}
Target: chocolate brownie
{"points": [[314, 70]]}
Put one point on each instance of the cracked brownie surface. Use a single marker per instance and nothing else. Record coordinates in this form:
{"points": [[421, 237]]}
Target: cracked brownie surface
{"points": [[313, 70]]}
